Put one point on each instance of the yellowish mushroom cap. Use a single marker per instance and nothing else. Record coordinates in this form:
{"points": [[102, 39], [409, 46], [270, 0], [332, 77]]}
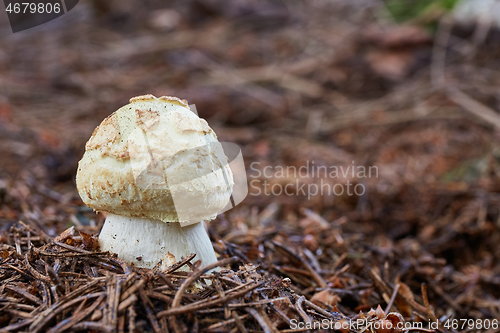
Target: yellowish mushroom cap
{"points": [[155, 158]]}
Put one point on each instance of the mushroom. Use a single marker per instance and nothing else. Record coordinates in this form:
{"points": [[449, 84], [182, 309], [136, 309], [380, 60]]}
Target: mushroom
{"points": [[158, 171]]}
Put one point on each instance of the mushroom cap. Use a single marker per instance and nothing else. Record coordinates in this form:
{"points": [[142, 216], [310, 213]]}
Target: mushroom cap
{"points": [[155, 158]]}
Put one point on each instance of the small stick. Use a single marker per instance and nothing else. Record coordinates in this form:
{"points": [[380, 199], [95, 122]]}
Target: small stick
{"points": [[127, 293], [72, 248], [317, 278], [149, 310], [64, 325], [54, 310], [263, 324], [131, 319], [258, 303], [438, 62], [238, 322], [300, 310], [69, 254], [160, 296], [92, 326], [179, 264], [474, 107], [121, 324], [126, 303], [195, 276], [205, 304], [114, 289], [430, 313], [34, 272], [55, 279], [225, 322], [25, 294], [16, 326], [334, 315], [393, 297], [218, 286]]}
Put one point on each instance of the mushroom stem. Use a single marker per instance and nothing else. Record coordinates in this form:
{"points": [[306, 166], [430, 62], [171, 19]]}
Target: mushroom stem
{"points": [[144, 242]]}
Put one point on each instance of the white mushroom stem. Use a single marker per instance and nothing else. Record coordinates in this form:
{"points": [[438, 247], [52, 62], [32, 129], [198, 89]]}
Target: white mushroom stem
{"points": [[144, 242]]}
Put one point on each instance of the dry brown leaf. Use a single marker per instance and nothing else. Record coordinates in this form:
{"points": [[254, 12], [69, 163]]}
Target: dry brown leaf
{"points": [[401, 304], [90, 243], [325, 297], [65, 235]]}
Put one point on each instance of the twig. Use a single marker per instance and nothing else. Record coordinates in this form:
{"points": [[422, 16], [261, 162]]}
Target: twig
{"points": [[16, 326], [92, 326], [393, 297], [439, 52], [319, 280], [205, 304], [64, 325], [126, 303], [72, 248], [149, 310], [302, 313], [263, 324], [263, 302], [195, 276], [113, 298], [179, 264], [226, 322], [430, 312], [474, 107], [25, 294], [54, 310]]}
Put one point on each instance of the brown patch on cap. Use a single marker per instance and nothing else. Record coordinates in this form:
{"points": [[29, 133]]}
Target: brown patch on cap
{"points": [[146, 119], [107, 133], [106, 137]]}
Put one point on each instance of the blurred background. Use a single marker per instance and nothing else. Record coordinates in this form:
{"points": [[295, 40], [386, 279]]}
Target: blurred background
{"points": [[411, 87]]}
